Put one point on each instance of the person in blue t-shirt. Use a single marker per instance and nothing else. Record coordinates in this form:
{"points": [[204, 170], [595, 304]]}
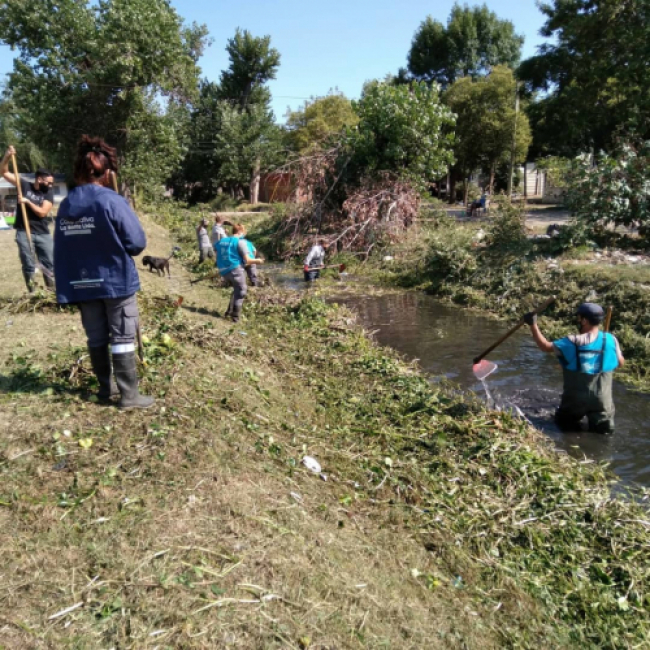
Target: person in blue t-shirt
{"points": [[233, 255], [588, 361], [95, 238]]}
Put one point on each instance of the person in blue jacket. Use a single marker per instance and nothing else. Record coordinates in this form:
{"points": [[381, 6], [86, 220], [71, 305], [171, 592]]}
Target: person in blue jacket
{"points": [[95, 238], [233, 256], [588, 361]]}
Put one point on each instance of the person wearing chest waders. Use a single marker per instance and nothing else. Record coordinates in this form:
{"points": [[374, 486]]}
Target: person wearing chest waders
{"points": [[95, 238], [232, 257], [314, 261], [588, 361]]}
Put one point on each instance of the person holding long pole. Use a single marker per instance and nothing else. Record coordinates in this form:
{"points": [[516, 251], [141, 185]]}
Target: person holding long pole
{"points": [[96, 237], [33, 237], [588, 361]]}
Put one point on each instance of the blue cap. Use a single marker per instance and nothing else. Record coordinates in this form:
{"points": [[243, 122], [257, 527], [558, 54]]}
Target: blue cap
{"points": [[592, 312]]}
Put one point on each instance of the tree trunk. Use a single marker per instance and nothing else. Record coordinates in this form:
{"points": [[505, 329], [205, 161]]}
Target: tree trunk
{"points": [[255, 182], [466, 193], [492, 173]]}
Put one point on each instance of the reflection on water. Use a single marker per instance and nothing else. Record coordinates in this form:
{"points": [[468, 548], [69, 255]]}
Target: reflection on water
{"points": [[445, 339]]}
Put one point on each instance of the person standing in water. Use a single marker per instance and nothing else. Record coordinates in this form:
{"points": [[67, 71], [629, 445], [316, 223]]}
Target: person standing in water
{"points": [[232, 257], [314, 261], [588, 361], [96, 237]]}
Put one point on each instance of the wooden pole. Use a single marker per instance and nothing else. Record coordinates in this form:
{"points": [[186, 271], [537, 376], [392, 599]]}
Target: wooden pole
{"points": [[512, 330], [23, 208], [608, 318], [514, 141]]}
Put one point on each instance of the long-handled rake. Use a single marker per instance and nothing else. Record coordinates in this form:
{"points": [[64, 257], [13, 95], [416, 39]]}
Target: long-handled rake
{"points": [[46, 272], [483, 368]]}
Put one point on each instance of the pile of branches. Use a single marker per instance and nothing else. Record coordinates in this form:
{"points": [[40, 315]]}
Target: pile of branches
{"points": [[351, 214]]}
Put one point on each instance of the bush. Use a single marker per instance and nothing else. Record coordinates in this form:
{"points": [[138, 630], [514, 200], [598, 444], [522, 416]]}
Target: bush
{"points": [[614, 191], [507, 231]]}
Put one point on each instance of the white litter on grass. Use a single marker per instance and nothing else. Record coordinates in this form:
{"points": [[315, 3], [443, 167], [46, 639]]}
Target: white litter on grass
{"points": [[311, 464], [65, 611]]}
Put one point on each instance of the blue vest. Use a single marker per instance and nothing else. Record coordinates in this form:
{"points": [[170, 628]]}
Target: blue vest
{"points": [[591, 359], [228, 257]]}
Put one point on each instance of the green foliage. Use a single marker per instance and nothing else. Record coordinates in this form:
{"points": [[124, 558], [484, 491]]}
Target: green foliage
{"points": [[486, 121], [594, 75], [105, 69], [233, 136], [253, 63], [473, 42], [507, 232], [615, 190], [557, 170], [402, 129], [319, 120], [29, 156]]}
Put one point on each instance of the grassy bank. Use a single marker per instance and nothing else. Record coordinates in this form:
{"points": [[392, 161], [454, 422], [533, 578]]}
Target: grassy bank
{"points": [[506, 275], [434, 523]]}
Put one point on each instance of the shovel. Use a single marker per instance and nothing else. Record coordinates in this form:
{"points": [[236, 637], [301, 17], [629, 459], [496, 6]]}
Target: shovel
{"points": [[483, 368]]}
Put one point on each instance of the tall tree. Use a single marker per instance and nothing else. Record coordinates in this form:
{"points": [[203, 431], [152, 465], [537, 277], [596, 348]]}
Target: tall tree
{"points": [[474, 40], [234, 137], [594, 75], [402, 129], [114, 68], [319, 120], [487, 122]]}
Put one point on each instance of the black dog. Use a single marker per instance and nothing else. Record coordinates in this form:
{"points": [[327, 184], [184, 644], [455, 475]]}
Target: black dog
{"points": [[159, 263]]}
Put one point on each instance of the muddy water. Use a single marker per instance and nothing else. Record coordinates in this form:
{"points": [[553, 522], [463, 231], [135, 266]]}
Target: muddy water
{"points": [[445, 339]]}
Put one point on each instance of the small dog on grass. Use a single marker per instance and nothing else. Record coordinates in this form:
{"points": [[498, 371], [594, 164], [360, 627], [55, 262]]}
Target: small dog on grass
{"points": [[159, 263]]}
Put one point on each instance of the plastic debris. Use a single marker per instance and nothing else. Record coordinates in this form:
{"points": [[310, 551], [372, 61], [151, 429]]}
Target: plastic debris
{"points": [[311, 464]]}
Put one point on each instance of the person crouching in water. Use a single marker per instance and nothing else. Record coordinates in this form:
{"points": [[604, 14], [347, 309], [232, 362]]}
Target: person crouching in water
{"points": [[232, 257], [588, 361], [314, 261], [95, 238], [205, 247]]}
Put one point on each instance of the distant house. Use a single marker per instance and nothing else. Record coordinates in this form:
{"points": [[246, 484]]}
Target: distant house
{"points": [[280, 187], [8, 194]]}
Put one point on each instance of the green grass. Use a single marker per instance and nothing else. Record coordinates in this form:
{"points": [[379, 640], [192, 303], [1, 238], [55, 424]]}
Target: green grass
{"points": [[439, 524]]}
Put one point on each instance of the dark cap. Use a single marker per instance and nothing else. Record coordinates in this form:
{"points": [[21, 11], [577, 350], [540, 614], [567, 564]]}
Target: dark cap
{"points": [[592, 312], [43, 173]]}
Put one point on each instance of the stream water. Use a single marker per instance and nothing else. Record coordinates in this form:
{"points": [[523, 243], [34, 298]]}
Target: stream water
{"points": [[445, 339]]}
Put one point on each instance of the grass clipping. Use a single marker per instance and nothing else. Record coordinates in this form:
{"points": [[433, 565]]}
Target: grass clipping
{"points": [[139, 529]]}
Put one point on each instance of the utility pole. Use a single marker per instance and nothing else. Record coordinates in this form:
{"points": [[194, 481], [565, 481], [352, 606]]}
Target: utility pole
{"points": [[514, 142]]}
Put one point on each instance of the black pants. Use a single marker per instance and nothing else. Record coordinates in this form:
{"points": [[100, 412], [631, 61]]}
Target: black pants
{"points": [[312, 275]]}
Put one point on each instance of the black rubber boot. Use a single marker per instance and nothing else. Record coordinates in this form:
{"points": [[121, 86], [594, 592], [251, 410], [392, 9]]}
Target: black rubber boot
{"points": [[100, 358], [29, 281], [49, 281], [127, 381]]}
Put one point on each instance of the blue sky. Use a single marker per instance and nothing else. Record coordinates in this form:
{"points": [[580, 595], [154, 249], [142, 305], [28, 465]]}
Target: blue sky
{"points": [[329, 44]]}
